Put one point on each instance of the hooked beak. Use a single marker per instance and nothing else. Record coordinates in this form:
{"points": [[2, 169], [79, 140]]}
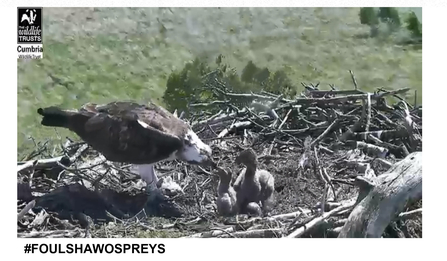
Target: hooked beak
{"points": [[196, 152]]}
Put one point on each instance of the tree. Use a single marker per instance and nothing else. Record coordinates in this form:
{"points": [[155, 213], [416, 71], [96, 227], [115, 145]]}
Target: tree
{"points": [[185, 86], [390, 16], [368, 16], [413, 25]]}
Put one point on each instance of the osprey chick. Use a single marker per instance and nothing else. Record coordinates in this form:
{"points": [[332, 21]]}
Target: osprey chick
{"points": [[253, 184], [226, 196]]}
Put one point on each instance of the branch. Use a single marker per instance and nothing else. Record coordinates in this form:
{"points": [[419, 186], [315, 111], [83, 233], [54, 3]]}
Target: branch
{"points": [[303, 229], [387, 196]]}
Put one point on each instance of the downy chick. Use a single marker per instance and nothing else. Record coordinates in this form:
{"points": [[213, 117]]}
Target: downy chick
{"points": [[226, 196], [253, 184], [253, 209]]}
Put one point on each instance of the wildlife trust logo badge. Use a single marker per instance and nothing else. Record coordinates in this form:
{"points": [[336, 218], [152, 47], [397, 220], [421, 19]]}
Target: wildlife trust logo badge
{"points": [[29, 33]]}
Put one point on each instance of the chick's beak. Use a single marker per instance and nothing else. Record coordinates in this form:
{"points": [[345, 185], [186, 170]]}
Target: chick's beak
{"points": [[209, 162]]}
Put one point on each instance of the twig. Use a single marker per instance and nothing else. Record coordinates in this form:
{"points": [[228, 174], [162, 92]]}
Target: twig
{"points": [[25, 210], [353, 79], [325, 132], [409, 214], [303, 229], [368, 114], [257, 233]]}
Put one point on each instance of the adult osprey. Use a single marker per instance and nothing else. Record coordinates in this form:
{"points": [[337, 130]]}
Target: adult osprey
{"points": [[132, 133]]}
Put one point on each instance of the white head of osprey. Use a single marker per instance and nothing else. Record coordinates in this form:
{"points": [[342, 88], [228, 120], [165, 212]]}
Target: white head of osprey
{"points": [[29, 49]]}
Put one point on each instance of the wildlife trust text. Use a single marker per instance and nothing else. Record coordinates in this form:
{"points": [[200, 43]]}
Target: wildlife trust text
{"points": [[97, 248]]}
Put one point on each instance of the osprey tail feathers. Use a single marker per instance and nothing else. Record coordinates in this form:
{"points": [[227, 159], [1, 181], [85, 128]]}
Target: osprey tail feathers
{"points": [[55, 117]]}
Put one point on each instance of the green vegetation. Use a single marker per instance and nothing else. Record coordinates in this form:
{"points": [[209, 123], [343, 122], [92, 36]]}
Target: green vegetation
{"points": [[413, 25], [390, 17], [103, 54], [187, 85]]}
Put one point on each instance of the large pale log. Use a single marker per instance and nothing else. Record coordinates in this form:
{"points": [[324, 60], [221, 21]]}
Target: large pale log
{"points": [[383, 198]]}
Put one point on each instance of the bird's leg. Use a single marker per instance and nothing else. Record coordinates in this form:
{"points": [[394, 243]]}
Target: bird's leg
{"points": [[147, 173]]}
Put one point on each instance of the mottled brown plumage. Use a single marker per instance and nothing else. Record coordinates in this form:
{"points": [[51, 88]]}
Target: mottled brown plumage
{"points": [[226, 196], [253, 184], [132, 133], [116, 130]]}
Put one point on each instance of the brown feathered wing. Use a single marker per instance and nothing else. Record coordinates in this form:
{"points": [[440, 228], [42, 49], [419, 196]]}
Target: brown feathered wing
{"points": [[114, 130]]}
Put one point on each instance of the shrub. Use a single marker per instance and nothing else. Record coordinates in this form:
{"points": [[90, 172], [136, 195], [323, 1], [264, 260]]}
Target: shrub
{"points": [[390, 16], [183, 87], [188, 85], [368, 16], [413, 25]]}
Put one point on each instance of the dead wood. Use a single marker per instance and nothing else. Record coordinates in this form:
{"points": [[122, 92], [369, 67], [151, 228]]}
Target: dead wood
{"points": [[256, 233], [347, 138], [314, 222], [387, 196], [25, 210]]}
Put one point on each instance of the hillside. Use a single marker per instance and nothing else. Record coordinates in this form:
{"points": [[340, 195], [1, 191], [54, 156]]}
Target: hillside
{"points": [[99, 55]]}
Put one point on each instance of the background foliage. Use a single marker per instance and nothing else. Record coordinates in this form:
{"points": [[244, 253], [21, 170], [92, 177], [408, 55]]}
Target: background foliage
{"points": [[105, 54]]}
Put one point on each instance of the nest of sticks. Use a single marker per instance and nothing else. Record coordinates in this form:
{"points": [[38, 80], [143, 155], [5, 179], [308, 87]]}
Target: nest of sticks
{"points": [[346, 163]]}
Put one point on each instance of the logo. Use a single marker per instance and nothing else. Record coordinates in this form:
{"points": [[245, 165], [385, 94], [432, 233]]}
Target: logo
{"points": [[29, 26], [29, 32]]}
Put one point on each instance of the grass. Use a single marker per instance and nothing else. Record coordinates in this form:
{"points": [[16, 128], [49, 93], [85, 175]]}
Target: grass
{"points": [[104, 54]]}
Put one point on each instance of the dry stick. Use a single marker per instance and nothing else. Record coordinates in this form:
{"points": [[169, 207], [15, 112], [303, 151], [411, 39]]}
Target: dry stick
{"points": [[39, 219], [257, 233], [279, 128], [360, 166], [325, 132], [270, 94], [208, 104], [340, 222], [353, 80], [374, 150], [43, 163], [49, 163], [410, 126], [325, 178], [415, 98], [220, 118], [327, 102], [333, 92], [51, 233], [78, 153], [354, 127], [279, 217], [409, 214], [326, 150], [385, 197], [250, 95], [314, 222], [213, 233], [225, 232], [269, 109], [381, 143], [368, 114], [25, 210], [384, 162], [324, 198], [233, 126], [329, 181]]}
